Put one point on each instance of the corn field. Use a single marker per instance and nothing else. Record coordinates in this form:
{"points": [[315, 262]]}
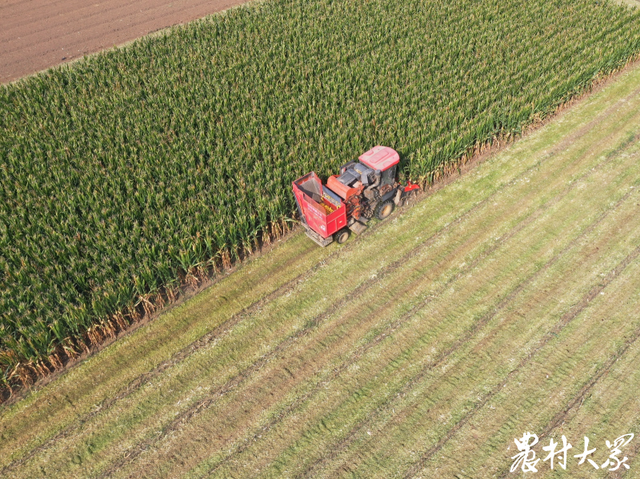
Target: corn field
{"points": [[133, 171]]}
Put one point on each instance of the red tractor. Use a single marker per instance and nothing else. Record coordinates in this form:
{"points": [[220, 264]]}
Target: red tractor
{"points": [[349, 200]]}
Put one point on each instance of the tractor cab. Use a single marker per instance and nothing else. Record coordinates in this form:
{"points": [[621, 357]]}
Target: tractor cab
{"points": [[384, 161], [376, 168]]}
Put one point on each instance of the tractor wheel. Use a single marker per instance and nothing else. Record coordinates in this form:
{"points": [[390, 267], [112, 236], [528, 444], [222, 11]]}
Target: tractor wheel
{"points": [[342, 236], [384, 209]]}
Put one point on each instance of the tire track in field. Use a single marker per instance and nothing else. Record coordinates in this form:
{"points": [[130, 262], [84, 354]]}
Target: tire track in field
{"points": [[477, 327], [219, 331], [242, 377], [564, 321]]}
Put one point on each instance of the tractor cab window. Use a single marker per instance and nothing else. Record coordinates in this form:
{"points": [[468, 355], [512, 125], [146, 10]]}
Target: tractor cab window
{"points": [[388, 177]]}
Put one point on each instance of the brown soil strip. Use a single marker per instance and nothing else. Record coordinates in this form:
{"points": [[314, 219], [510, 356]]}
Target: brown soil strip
{"points": [[564, 321], [36, 34]]}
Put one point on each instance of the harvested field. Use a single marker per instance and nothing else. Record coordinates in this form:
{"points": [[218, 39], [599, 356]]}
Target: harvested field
{"points": [[503, 303], [35, 35]]}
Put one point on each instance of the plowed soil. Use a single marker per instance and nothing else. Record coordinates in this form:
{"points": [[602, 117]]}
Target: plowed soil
{"points": [[38, 34]]}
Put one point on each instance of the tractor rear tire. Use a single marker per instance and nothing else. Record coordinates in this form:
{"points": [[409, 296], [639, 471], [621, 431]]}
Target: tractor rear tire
{"points": [[342, 236], [384, 209]]}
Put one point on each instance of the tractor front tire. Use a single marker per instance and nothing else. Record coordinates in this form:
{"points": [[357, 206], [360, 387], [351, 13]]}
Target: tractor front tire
{"points": [[384, 209], [342, 236]]}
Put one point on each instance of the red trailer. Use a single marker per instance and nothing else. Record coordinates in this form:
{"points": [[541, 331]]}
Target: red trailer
{"points": [[361, 190], [322, 211]]}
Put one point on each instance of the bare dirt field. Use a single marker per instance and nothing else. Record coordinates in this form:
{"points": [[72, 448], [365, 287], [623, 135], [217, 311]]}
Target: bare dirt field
{"points": [[506, 302], [38, 34]]}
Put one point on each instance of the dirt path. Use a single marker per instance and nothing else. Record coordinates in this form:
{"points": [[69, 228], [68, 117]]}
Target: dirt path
{"points": [[37, 34]]}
